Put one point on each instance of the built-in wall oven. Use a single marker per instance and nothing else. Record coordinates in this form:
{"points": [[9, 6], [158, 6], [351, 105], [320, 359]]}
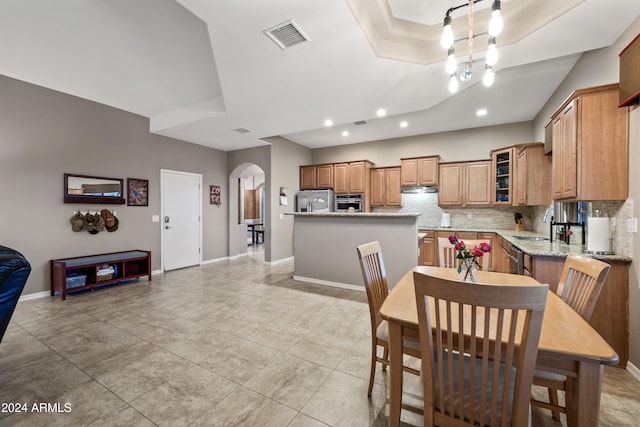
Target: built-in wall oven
{"points": [[349, 203]]}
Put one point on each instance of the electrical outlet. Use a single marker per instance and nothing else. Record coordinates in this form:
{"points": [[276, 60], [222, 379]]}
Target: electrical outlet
{"points": [[632, 225]]}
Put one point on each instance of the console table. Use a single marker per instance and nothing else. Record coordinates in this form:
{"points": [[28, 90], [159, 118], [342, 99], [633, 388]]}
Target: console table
{"points": [[73, 274]]}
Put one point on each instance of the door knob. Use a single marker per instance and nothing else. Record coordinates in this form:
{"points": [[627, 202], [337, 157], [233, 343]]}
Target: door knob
{"points": [[166, 227]]}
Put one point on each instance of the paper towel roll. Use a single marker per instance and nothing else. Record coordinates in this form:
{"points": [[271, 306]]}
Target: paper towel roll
{"points": [[598, 234], [446, 220]]}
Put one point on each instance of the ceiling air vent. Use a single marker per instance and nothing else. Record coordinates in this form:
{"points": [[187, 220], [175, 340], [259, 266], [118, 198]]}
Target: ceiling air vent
{"points": [[360, 122], [286, 34], [242, 130]]}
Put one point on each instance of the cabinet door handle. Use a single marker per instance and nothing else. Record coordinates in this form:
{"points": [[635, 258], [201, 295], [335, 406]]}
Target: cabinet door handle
{"points": [[166, 227]]}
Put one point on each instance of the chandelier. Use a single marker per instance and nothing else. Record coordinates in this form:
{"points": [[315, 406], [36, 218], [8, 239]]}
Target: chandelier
{"points": [[491, 57]]}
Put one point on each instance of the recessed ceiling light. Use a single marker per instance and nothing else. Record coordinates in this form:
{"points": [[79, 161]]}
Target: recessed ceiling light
{"points": [[381, 112], [481, 112], [328, 123], [345, 133], [404, 124]]}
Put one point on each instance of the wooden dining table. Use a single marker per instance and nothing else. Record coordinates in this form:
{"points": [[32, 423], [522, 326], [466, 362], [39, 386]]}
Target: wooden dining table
{"points": [[568, 344]]}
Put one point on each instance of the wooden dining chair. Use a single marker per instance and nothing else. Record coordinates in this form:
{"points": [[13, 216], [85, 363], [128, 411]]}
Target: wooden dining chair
{"points": [[580, 285], [447, 253], [480, 343], [375, 282]]}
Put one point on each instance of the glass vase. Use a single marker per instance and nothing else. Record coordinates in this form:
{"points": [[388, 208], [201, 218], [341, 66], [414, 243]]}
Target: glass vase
{"points": [[468, 271]]}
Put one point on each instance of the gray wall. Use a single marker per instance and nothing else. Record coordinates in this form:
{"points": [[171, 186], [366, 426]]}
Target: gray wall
{"points": [[44, 133], [596, 68], [326, 246], [238, 161], [470, 144], [286, 157]]}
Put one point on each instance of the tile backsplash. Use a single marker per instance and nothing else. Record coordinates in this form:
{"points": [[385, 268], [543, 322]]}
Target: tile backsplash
{"points": [[498, 217], [502, 217]]}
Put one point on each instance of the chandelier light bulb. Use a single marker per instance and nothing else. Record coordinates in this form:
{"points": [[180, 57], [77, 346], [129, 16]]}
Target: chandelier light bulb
{"points": [[465, 75], [453, 84], [452, 65], [489, 76], [447, 33], [492, 52], [495, 24]]}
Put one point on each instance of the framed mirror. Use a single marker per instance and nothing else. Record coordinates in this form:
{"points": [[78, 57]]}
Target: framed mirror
{"points": [[93, 189]]}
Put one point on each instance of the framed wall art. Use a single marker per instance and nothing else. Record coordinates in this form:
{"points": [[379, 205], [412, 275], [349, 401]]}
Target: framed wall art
{"points": [[214, 195], [137, 192]]}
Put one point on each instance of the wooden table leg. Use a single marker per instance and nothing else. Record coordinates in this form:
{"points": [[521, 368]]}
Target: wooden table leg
{"points": [[395, 373], [583, 396]]}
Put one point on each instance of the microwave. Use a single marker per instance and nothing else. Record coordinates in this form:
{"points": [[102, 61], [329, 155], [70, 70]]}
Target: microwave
{"points": [[349, 203]]}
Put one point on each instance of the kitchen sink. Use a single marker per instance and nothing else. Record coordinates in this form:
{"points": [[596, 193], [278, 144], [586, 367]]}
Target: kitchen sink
{"points": [[534, 238]]}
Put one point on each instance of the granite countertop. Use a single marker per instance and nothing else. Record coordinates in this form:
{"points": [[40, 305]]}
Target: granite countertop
{"points": [[356, 214], [539, 247]]}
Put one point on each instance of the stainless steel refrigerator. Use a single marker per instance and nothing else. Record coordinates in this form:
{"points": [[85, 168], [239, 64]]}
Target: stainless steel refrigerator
{"points": [[314, 201]]}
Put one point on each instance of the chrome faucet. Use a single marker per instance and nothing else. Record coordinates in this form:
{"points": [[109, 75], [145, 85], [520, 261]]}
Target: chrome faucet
{"points": [[547, 213]]}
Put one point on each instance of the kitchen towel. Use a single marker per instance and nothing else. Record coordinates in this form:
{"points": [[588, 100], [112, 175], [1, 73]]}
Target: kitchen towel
{"points": [[598, 234]]}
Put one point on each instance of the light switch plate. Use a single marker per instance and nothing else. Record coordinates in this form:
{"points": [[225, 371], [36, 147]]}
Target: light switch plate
{"points": [[155, 218], [632, 225]]}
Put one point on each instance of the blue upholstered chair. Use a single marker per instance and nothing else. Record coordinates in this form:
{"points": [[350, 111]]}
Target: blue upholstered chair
{"points": [[14, 271]]}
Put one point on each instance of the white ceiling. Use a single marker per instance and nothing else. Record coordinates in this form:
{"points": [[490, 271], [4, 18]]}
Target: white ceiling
{"points": [[201, 68]]}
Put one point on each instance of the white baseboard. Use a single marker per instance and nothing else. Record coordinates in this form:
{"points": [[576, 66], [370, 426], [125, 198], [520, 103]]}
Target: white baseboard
{"points": [[634, 371], [329, 283], [238, 256], [154, 272], [35, 296], [279, 261], [211, 261]]}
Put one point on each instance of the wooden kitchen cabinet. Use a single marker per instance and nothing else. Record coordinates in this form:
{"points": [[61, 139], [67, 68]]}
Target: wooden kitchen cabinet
{"points": [[590, 146], [324, 176], [316, 177], [351, 178], [490, 238], [428, 249], [419, 171], [533, 176], [611, 314], [464, 183], [451, 178], [500, 251], [308, 177], [341, 178], [385, 187], [502, 176]]}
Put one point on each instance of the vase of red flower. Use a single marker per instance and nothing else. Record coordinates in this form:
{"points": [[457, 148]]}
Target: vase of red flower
{"points": [[468, 259]]}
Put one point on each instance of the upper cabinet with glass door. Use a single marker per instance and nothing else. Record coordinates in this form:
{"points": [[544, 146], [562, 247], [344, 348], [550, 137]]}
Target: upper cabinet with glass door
{"points": [[502, 176]]}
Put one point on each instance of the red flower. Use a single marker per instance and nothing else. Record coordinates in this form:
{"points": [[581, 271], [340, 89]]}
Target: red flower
{"points": [[485, 247], [476, 251], [453, 239]]}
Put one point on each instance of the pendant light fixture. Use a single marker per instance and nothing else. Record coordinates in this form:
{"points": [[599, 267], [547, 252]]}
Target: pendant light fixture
{"points": [[448, 42]]}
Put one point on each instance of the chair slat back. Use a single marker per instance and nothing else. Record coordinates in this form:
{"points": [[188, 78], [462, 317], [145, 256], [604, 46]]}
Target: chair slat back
{"points": [[581, 282], [447, 253], [479, 349], [375, 279]]}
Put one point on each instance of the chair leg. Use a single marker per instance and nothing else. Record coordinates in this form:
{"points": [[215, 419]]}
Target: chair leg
{"points": [[385, 356], [553, 399], [372, 374]]}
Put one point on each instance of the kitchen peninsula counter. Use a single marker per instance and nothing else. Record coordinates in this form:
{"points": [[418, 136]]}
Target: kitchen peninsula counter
{"points": [[325, 245]]}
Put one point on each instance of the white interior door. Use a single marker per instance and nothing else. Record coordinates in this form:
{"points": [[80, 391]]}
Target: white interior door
{"points": [[181, 225]]}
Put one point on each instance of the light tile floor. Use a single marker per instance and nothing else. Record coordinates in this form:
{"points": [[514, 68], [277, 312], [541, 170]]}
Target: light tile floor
{"points": [[235, 343]]}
